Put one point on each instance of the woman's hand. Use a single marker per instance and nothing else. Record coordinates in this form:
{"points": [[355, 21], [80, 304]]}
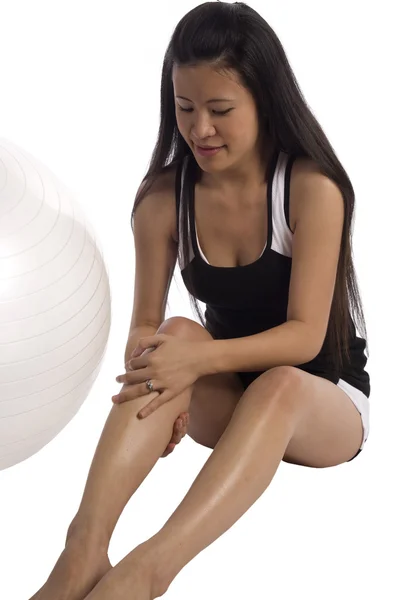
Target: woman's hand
{"points": [[172, 366], [179, 432], [180, 426]]}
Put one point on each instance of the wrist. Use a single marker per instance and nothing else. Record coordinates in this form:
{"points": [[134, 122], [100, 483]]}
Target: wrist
{"points": [[208, 358]]}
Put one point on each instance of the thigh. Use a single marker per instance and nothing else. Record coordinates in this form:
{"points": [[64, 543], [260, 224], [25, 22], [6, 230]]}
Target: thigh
{"points": [[331, 430]]}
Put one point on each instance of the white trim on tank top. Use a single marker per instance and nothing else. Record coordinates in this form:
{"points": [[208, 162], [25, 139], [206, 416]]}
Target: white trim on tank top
{"points": [[281, 234]]}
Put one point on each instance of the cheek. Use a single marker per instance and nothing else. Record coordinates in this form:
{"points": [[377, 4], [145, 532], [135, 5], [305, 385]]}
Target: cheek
{"points": [[179, 122], [247, 128], [248, 137], [184, 130]]}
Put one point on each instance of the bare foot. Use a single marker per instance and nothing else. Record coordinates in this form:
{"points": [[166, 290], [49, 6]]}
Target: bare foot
{"points": [[133, 578], [75, 574]]}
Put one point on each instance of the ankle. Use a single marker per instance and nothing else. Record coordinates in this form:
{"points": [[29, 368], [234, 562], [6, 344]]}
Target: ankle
{"points": [[154, 557], [84, 534]]}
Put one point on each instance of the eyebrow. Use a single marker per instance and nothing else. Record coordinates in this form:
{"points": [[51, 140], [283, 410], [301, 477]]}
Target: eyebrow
{"points": [[211, 100]]}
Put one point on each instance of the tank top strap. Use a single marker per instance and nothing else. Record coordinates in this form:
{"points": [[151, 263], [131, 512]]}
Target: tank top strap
{"points": [[281, 232]]}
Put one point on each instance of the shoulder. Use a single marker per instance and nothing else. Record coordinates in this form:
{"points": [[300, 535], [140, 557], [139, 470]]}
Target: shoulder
{"points": [[168, 183], [160, 198], [162, 182], [307, 184]]}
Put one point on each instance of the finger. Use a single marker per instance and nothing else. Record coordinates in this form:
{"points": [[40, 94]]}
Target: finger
{"points": [[137, 363], [181, 432], [130, 395], [121, 398], [177, 432], [137, 378], [182, 417], [153, 405], [185, 422], [168, 450], [134, 391], [133, 363], [133, 375], [143, 353], [185, 425], [180, 422]]}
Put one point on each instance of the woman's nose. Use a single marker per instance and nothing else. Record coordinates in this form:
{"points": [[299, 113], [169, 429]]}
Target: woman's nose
{"points": [[202, 128]]}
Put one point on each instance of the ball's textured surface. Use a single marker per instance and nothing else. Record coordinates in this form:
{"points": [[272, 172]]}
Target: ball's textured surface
{"points": [[55, 305]]}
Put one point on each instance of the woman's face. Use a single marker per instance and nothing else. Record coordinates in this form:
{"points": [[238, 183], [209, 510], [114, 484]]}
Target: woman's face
{"points": [[213, 109]]}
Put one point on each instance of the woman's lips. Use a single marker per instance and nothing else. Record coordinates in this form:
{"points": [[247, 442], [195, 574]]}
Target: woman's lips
{"points": [[207, 151]]}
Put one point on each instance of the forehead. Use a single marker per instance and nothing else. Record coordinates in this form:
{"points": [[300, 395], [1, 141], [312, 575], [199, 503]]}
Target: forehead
{"points": [[201, 80]]}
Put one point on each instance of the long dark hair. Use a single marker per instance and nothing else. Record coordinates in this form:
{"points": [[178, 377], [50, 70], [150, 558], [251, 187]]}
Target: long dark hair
{"points": [[234, 36]]}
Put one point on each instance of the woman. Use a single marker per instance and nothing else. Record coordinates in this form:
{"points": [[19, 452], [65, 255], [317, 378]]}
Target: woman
{"points": [[261, 223]]}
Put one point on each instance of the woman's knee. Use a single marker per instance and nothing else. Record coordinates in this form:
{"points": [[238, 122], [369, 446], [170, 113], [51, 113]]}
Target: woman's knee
{"points": [[185, 328]]}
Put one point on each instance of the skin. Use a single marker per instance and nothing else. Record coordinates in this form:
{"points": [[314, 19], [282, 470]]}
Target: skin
{"points": [[237, 167], [278, 415], [199, 123], [179, 432]]}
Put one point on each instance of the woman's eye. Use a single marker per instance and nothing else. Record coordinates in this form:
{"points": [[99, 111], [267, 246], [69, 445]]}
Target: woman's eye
{"points": [[214, 111]]}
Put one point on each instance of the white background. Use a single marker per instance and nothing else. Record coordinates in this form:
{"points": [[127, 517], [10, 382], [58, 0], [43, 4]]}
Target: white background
{"points": [[80, 88]]}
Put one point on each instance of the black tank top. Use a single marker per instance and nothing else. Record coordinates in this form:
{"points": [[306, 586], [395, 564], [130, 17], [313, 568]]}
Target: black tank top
{"points": [[245, 300]]}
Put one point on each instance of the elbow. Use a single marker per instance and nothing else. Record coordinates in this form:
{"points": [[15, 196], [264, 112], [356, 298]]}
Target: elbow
{"points": [[309, 342], [312, 355], [312, 344], [314, 348]]}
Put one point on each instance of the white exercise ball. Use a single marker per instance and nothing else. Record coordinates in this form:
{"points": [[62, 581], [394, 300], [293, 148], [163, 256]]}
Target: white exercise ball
{"points": [[55, 305]]}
